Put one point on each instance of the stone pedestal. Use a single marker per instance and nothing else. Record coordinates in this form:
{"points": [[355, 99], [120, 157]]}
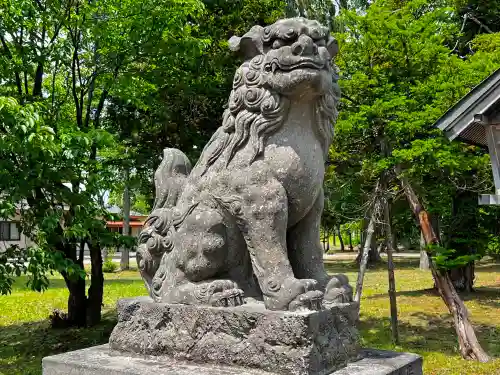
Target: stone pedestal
{"points": [[164, 339], [282, 342], [99, 360]]}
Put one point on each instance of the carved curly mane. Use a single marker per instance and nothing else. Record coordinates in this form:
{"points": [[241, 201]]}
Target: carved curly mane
{"points": [[255, 112]]}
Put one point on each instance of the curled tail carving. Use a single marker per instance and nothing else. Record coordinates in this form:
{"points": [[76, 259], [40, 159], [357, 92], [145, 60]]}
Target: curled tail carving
{"points": [[170, 178]]}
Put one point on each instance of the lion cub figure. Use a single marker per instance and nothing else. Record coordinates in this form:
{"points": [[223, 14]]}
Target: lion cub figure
{"points": [[243, 224]]}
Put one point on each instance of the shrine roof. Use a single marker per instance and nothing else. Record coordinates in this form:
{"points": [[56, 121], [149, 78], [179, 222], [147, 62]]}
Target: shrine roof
{"points": [[465, 120]]}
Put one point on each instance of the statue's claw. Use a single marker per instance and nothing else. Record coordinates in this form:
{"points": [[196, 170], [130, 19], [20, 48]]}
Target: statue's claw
{"points": [[229, 297], [311, 300], [309, 284]]}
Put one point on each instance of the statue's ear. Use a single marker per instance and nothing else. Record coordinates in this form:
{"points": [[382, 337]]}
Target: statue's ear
{"points": [[332, 46], [250, 44]]}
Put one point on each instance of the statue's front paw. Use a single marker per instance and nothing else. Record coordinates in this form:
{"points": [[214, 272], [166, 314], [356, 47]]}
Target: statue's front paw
{"points": [[229, 297], [338, 290], [311, 300]]}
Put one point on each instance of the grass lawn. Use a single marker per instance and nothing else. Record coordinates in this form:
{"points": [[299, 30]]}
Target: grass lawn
{"points": [[425, 326]]}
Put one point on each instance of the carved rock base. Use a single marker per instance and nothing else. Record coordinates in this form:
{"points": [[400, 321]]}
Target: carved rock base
{"points": [[282, 342], [99, 360]]}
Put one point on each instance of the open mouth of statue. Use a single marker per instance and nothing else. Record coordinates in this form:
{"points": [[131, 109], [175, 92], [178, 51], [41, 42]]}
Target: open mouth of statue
{"points": [[274, 65]]}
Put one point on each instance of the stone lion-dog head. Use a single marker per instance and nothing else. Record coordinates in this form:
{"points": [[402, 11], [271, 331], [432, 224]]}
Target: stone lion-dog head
{"points": [[287, 61]]}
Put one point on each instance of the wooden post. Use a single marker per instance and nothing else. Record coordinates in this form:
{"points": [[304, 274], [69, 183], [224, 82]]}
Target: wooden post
{"points": [[390, 272], [367, 246]]}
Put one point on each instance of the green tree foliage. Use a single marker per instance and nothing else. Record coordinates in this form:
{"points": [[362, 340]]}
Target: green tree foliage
{"points": [[23, 134], [323, 11], [476, 17], [62, 61], [398, 77], [185, 104]]}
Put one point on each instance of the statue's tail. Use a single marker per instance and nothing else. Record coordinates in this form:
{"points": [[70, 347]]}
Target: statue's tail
{"points": [[170, 178]]}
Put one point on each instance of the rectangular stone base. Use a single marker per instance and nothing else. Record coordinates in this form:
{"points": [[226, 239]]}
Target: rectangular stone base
{"points": [[281, 342], [99, 360]]}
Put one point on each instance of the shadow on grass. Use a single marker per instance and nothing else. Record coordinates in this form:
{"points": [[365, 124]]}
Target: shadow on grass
{"points": [[425, 333], [482, 295], [349, 265], [333, 265], [21, 282], [22, 346]]}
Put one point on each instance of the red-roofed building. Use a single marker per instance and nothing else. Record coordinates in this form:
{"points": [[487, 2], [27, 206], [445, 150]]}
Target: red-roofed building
{"points": [[11, 234], [136, 221]]}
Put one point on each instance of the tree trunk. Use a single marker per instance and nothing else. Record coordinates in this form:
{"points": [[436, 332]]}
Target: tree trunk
{"points": [[37, 87], [96, 292], [464, 230], [351, 248], [77, 301], [424, 258], [125, 261], [373, 253], [395, 242], [463, 277], [468, 343], [341, 240], [382, 247], [327, 240], [366, 249], [390, 273]]}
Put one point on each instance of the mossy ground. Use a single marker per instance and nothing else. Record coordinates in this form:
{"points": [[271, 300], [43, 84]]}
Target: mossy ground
{"points": [[425, 326]]}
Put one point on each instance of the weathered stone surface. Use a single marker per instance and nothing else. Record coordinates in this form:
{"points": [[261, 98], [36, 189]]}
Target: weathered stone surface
{"points": [[299, 343], [244, 222], [98, 360], [384, 362]]}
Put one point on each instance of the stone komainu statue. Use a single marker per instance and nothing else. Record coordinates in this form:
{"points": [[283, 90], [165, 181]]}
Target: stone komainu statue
{"points": [[243, 224]]}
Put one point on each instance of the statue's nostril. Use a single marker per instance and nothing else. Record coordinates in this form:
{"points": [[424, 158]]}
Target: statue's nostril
{"points": [[297, 49]]}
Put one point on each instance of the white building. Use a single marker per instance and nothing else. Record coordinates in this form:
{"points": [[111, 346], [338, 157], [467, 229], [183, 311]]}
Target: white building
{"points": [[10, 231], [10, 234]]}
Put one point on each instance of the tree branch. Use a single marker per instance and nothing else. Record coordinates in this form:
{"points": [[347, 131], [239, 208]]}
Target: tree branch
{"points": [[73, 89], [16, 73], [40, 5], [480, 23]]}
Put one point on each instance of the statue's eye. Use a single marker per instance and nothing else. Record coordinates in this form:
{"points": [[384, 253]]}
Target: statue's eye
{"points": [[278, 43]]}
